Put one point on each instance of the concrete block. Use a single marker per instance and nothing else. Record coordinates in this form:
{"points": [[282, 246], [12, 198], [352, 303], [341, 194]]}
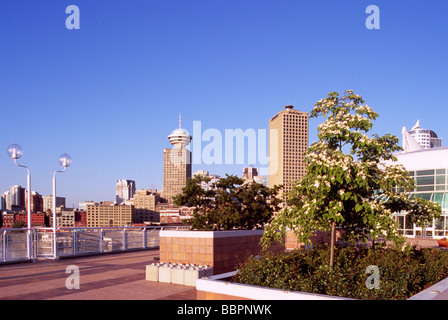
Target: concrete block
{"points": [[194, 273], [191, 275], [152, 272], [178, 275], [165, 273], [208, 271]]}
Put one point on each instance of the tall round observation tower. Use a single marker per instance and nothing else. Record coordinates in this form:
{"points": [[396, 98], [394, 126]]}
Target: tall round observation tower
{"points": [[180, 137]]}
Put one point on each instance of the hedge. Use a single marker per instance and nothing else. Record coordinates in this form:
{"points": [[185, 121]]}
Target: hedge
{"points": [[402, 273]]}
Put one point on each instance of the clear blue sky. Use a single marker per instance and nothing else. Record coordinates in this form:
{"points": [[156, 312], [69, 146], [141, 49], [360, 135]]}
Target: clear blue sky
{"points": [[111, 92]]}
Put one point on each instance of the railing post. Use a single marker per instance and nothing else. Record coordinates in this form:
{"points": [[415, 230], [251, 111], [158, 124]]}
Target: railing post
{"points": [[124, 239], [75, 241], [4, 246], [144, 238], [101, 239]]}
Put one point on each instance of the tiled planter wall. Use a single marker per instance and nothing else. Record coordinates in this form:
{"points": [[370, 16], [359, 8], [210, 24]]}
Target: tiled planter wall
{"points": [[222, 250]]}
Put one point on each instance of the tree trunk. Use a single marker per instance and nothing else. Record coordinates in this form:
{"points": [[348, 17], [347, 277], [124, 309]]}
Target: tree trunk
{"points": [[332, 243]]}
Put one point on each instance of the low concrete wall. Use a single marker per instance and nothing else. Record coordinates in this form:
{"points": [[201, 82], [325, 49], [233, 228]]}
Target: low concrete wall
{"points": [[438, 291], [216, 288]]}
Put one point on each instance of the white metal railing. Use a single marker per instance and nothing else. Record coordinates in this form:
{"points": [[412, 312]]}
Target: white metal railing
{"points": [[75, 241]]}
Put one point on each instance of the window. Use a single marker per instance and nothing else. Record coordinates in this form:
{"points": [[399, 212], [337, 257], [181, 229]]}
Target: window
{"points": [[437, 197], [425, 180], [440, 179], [425, 172], [426, 196], [445, 202]]}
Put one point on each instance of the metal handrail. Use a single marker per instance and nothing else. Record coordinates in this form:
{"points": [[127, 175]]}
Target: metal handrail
{"points": [[75, 241]]}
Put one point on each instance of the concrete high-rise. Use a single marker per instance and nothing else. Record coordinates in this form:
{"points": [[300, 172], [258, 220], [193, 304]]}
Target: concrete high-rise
{"points": [[288, 141], [124, 190], [176, 163], [48, 202], [16, 198]]}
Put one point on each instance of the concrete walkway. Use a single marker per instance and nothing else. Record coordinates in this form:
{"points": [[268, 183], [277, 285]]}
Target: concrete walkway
{"points": [[116, 276]]}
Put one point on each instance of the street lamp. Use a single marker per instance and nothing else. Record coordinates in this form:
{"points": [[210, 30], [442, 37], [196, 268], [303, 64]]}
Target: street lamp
{"points": [[15, 152], [65, 161]]}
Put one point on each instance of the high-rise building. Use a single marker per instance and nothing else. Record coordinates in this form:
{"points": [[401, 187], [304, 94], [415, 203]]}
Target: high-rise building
{"points": [[37, 202], [419, 139], [124, 190], [16, 198], [288, 141], [176, 163], [48, 202]]}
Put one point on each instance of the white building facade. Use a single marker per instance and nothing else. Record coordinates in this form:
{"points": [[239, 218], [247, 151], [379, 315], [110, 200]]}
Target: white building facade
{"points": [[429, 168], [124, 190]]}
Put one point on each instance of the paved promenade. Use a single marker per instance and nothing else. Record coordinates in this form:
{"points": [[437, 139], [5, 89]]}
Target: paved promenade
{"points": [[116, 276]]}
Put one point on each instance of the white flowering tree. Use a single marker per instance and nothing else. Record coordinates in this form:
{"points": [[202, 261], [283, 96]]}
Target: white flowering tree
{"points": [[346, 170]]}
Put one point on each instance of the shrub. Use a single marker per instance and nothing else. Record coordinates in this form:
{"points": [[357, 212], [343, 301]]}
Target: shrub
{"points": [[402, 273], [229, 203]]}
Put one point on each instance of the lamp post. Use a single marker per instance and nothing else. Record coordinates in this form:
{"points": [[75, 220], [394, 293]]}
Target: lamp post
{"points": [[15, 152], [65, 161]]}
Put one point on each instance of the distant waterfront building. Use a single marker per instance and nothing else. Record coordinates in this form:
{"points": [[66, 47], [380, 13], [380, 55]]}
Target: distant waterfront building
{"points": [[124, 190], [109, 215], [288, 141], [8, 218], [172, 214], [48, 202], [250, 172], [82, 206], [419, 139], [65, 217], [37, 202], [15, 199], [3, 198], [214, 178], [145, 202], [176, 163]]}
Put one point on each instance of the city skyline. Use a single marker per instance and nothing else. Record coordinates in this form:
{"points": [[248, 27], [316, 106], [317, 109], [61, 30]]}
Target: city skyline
{"points": [[110, 93]]}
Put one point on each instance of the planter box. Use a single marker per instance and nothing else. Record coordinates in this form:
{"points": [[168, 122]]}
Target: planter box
{"points": [[222, 250], [219, 287]]}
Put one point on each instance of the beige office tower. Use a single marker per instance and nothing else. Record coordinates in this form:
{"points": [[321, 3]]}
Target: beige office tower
{"points": [[288, 141], [176, 163]]}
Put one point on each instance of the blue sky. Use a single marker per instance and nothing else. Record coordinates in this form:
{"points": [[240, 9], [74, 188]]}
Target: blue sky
{"points": [[111, 92]]}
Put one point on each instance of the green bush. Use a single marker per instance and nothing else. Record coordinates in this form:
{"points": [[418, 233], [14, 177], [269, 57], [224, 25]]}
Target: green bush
{"points": [[402, 273]]}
